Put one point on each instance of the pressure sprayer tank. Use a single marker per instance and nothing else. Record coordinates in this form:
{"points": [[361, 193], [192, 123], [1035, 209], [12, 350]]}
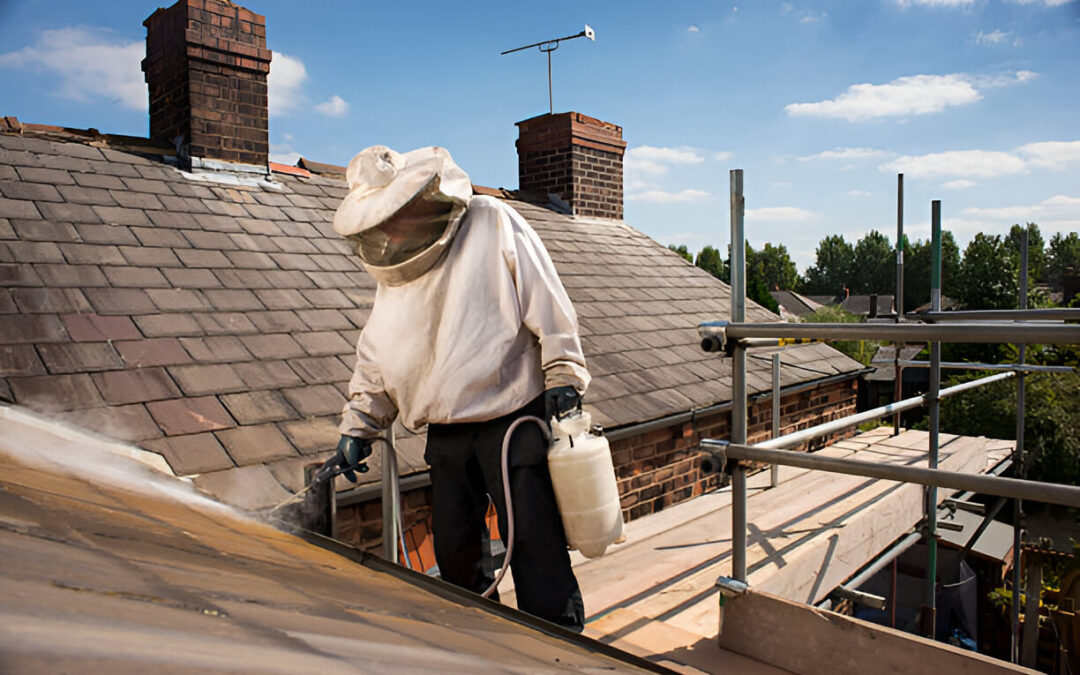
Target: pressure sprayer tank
{"points": [[584, 480]]}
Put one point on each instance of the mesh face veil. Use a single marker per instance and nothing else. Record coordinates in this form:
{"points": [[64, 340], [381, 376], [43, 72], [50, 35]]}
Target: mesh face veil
{"points": [[416, 226]]}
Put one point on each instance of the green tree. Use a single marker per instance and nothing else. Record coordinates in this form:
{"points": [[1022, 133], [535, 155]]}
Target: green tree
{"points": [[682, 250], [917, 270], [709, 260], [860, 350], [1036, 251], [988, 274], [1063, 252], [832, 269], [778, 272], [874, 266]]}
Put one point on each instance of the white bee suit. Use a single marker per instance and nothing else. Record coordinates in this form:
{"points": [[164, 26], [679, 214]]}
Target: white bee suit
{"points": [[481, 333]]}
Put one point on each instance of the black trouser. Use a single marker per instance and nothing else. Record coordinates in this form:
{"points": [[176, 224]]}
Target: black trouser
{"points": [[465, 461]]}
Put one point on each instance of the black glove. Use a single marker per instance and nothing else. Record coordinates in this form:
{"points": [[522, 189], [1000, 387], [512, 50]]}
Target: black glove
{"points": [[559, 401], [351, 451]]}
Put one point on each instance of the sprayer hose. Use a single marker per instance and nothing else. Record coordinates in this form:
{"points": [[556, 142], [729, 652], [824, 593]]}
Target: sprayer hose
{"points": [[506, 491]]}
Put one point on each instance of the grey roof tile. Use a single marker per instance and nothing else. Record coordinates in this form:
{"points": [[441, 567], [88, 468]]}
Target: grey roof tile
{"points": [[137, 277], [217, 349], [135, 200], [31, 252], [92, 254], [233, 300], [258, 406], [168, 325], [191, 454], [42, 192], [20, 361], [120, 300], [145, 185], [160, 236], [33, 174], [106, 234], [200, 379], [70, 275], [147, 256], [98, 181], [19, 208], [118, 215], [256, 444], [183, 277], [124, 422], [178, 300]]}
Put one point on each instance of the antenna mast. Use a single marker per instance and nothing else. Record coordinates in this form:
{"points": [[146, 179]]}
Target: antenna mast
{"points": [[548, 46]]}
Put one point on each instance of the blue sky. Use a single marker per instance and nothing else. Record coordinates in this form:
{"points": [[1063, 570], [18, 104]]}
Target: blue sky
{"points": [[820, 103]]}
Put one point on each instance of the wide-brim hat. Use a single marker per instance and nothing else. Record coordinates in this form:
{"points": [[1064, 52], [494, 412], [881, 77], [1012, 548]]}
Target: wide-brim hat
{"points": [[382, 181]]}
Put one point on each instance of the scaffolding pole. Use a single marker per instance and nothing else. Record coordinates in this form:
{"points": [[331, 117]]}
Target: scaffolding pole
{"points": [[964, 365], [1022, 314], [1016, 488], [898, 301], [719, 333], [1018, 462], [928, 614], [738, 376]]}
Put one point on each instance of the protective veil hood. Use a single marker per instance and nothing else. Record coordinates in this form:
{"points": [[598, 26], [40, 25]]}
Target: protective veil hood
{"points": [[383, 184]]}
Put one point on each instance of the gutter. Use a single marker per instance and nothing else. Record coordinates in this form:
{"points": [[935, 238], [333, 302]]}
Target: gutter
{"points": [[373, 491]]}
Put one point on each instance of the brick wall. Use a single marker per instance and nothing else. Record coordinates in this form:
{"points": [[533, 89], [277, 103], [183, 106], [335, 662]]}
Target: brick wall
{"points": [[654, 470], [205, 67], [575, 156]]}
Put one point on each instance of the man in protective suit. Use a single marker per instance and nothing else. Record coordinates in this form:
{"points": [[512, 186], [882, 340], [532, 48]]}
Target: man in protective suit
{"points": [[471, 329]]}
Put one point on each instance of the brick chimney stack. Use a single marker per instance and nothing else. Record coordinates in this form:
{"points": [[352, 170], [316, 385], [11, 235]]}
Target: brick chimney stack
{"points": [[576, 157], [206, 65]]}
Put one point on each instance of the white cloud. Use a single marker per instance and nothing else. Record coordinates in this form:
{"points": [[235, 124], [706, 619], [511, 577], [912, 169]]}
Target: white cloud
{"points": [[992, 38], [662, 197], [846, 153], [980, 163], [285, 83], [1056, 212], [859, 193], [284, 153], [909, 95], [683, 155], [723, 156], [644, 164], [958, 184], [335, 106], [1052, 154], [92, 65], [693, 29], [779, 213]]}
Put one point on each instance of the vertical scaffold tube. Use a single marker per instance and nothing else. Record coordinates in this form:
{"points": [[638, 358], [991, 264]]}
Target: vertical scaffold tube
{"points": [[930, 598], [738, 377]]}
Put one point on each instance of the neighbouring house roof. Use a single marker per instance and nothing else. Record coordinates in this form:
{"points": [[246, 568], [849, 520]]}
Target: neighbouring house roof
{"points": [[860, 304], [795, 303], [216, 323], [885, 373]]}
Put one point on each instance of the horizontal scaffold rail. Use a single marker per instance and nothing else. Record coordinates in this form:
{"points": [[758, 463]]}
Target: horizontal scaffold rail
{"points": [[827, 428], [1042, 314], [1050, 493], [963, 365], [717, 334]]}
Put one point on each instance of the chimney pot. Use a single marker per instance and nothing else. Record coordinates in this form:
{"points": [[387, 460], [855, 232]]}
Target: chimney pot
{"points": [[205, 67], [576, 157]]}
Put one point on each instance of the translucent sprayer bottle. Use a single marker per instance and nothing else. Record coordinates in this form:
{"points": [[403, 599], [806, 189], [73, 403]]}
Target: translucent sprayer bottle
{"points": [[583, 476]]}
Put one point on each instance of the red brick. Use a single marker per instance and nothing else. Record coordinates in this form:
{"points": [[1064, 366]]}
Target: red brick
{"points": [[254, 444], [75, 357], [135, 386], [49, 393], [196, 453], [97, 328], [190, 415], [22, 329], [19, 361], [125, 423], [197, 380], [312, 436], [320, 399], [153, 352]]}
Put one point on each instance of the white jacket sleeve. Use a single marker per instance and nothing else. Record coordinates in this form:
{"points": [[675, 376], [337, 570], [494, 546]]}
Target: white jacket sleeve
{"points": [[545, 307], [369, 409]]}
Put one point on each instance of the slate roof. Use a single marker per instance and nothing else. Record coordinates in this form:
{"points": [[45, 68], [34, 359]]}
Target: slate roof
{"points": [[860, 304], [795, 303], [216, 323]]}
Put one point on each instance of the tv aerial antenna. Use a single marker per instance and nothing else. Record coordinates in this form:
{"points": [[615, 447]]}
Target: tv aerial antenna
{"points": [[548, 46]]}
